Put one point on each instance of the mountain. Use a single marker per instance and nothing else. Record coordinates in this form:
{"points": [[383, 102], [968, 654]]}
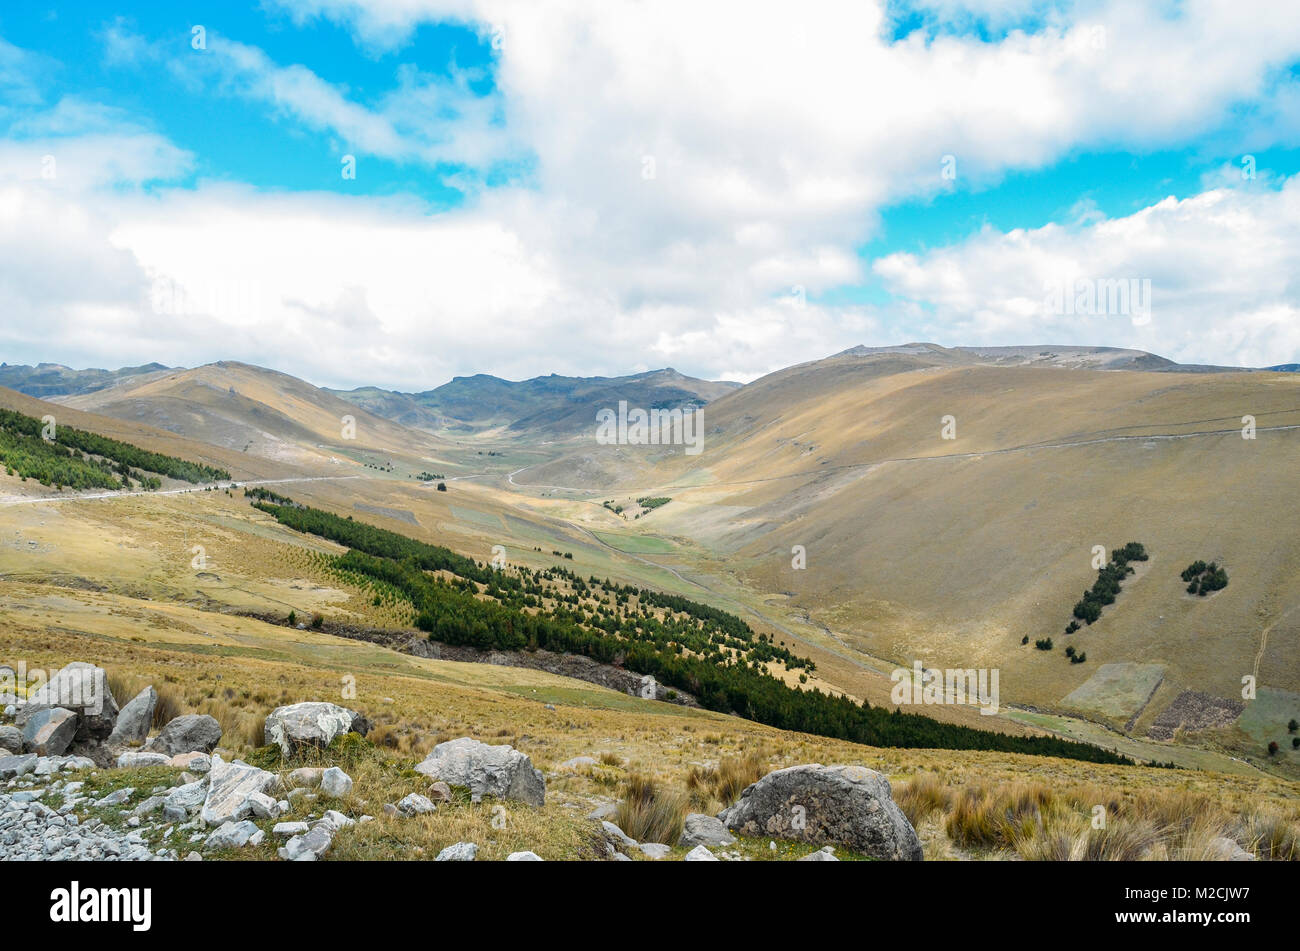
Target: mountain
{"points": [[544, 406], [52, 379], [953, 551], [261, 412]]}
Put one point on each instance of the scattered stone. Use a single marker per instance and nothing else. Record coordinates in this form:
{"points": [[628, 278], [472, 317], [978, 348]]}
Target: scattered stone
{"points": [[440, 792], [309, 724], [134, 719], [499, 771], [1223, 849], [193, 762], [826, 854], [700, 854], [186, 734], [289, 829], [263, 806], [133, 759], [460, 852], [116, 797], [334, 782], [523, 857], [414, 805], [578, 762], [618, 835], [309, 846], [305, 777], [230, 786], [846, 805], [700, 829], [656, 850], [11, 739], [17, 765]]}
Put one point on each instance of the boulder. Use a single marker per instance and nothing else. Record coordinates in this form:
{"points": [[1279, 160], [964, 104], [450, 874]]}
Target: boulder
{"points": [[700, 829], [17, 765], [1223, 849], [844, 805], [700, 854], [134, 719], [289, 829], [187, 734], [230, 788], [49, 731], [231, 835], [655, 850], [523, 857], [499, 771], [309, 724], [11, 739], [460, 852], [135, 758], [83, 689], [334, 782]]}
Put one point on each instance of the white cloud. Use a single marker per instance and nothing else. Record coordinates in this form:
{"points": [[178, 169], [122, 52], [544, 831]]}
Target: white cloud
{"points": [[1222, 267], [774, 143]]}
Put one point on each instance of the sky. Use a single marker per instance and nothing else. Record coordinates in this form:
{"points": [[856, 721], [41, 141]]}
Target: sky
{"points": [[396, 192]]}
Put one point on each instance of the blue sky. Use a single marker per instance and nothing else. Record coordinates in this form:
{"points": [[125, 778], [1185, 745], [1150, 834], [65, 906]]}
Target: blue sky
{"points": [[601, 189]]}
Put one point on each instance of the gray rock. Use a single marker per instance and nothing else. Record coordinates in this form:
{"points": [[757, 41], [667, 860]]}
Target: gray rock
{"points": [[334, 782], [187, 799], [308, 724], [414, 805], [83, 689], [289, 829], [337, 820], [230, 786], [826, 854], [618, 835], [700, 829], [305, 777], [134, 719], [523, 857], [135, 758], [845, 805], [263, 806], [655, 850], [309, 846], [49, 731], [1223, 849], [578, 762], [116, 797], [192, 762], [700, 854], [11, 739], [499, 771], [231, 835], [186, 734], [460, 852]]}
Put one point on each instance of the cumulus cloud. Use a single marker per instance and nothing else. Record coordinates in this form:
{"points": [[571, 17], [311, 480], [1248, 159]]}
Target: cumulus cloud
{"points": [[700, 180], [1222, 269]]}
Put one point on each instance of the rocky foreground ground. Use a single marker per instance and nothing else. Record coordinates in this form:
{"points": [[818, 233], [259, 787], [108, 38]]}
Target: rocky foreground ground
{"points": [[74, 768]]}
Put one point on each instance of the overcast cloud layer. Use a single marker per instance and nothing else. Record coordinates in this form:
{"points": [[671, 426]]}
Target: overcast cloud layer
{"points": [[697, 182]]}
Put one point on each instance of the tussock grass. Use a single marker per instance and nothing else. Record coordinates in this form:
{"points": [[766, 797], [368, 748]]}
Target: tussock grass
{"points": [[721, 785], [921, 796], [651, 811]]}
